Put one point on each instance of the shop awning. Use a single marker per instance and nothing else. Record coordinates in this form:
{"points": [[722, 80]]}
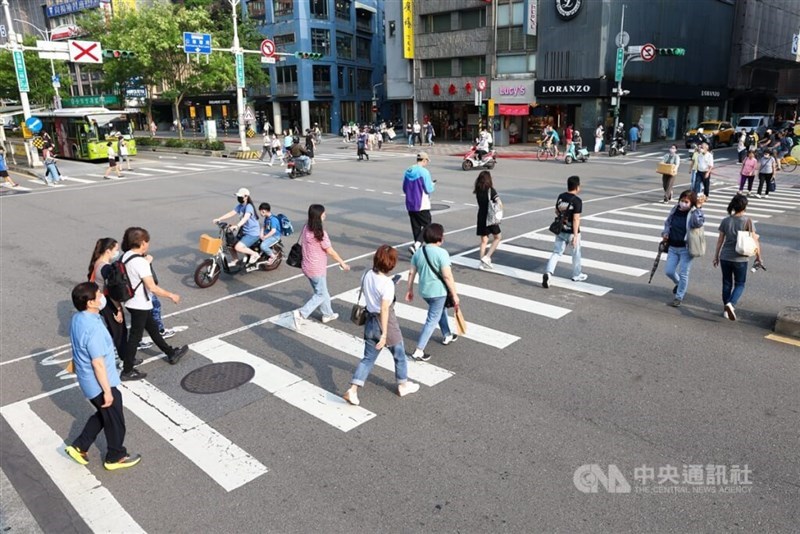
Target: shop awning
{"points": [[513, 109], [365, 7]]}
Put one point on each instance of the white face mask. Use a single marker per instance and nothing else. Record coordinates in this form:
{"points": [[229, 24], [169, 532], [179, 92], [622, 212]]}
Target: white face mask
{"points": [[115, 256], [684, 205], [102, 302]]}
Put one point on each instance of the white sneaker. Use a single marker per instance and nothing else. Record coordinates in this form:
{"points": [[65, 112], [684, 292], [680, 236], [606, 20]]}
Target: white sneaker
{"points": [[730, 312], [167, 333], [484, 267], [298, 319], [329, 318], [580, 278], [486, 260], [449, 338], [421, 355], [352, 398], [407, 388]]}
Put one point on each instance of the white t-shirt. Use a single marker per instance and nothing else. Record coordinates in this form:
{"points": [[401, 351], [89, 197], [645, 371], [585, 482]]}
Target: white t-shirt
{"points": [[377, 288], [138, 268]]}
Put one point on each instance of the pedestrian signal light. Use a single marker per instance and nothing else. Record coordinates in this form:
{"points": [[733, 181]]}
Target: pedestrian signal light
{"points": [[671, 51], [307, 55]]}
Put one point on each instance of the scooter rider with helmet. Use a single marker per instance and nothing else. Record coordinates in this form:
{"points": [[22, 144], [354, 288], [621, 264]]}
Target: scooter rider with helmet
{"points": [[483, 145], [248, 222], [300, 154]]}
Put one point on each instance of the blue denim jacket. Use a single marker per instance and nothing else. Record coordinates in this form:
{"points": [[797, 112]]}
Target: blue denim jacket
{"points": [[696, 219]]}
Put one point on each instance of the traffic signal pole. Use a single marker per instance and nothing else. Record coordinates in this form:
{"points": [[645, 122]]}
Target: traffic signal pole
{"points": [[237, 52], [619, 78]]}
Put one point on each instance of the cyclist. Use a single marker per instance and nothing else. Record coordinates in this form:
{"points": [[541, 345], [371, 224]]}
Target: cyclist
{"points": [[248, 223], [551, 138]]}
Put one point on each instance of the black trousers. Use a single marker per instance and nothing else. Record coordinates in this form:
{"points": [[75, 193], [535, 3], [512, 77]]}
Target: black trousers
{"points": [[111, 420], [763, 181], [142, 320], [419, 221], [118, 331]]}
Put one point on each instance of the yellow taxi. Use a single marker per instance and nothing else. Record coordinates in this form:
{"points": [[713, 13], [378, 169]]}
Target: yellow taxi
{"points": [[715, 133]]}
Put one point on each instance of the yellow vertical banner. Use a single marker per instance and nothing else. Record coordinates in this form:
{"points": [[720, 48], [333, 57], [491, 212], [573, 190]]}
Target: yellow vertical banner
{"points": [[408, 29], [209, 114], [191, 111], [224, 110]]}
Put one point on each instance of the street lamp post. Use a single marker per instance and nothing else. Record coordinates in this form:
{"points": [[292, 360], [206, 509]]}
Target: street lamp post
{"points": [[237, 51], [23, 95], [56, 85]]}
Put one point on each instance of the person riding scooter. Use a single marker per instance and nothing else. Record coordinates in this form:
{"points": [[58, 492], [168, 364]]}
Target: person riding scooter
{"points": [[482, 145], [299, 154]]}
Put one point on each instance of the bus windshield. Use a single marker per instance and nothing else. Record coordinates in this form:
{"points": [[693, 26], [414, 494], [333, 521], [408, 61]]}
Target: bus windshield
{"points": [[113, 128]]}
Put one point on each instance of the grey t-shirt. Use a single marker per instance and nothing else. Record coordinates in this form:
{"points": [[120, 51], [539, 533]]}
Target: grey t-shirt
{"points": [[730, 226]]}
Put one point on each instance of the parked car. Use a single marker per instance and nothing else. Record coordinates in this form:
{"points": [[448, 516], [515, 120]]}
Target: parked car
{"points": [[759, 123], [715, 132]]}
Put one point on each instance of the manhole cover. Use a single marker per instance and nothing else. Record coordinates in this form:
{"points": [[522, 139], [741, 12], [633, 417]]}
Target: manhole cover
{"points": [[439, 207], [217, 377]]}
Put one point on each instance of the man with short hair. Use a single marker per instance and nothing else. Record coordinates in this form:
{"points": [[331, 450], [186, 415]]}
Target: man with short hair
{"points": [[93, 358], [569, 207], [418, 186], [704, 165]]}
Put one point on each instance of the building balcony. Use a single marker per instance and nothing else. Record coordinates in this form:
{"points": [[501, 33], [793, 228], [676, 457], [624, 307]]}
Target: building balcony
{"points": [[286, 89], [256, 9], [323, 88]]}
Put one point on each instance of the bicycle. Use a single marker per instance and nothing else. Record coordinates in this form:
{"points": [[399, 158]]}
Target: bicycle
{"points": [[788, 163], [545, 152]]}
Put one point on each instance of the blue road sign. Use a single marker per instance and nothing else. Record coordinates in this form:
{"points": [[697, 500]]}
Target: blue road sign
{"points": [[196, 43], [34, 124]]}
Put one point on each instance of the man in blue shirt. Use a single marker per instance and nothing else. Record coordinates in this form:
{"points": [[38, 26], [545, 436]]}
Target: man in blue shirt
{"points": [[93, 357], [633, 137]]}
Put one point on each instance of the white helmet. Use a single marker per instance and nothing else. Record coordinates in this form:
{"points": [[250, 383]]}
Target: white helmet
{"points": [[621, 124]]}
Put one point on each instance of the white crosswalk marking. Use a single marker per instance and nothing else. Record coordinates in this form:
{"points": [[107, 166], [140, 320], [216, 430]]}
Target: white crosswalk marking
{"points": [[585, 262], [91, 500], [312, 399], [631, 224], [158, 170], [649, 154], [665, 213], [613, 233], [601, 246], [79, 180], [222, 460]]}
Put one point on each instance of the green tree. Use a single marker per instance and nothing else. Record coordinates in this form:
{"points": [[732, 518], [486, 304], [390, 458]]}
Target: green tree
{"points": [[39, 76]]}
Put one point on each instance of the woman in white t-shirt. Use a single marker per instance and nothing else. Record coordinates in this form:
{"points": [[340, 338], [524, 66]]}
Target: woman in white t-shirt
{"points": [[381, 329]]}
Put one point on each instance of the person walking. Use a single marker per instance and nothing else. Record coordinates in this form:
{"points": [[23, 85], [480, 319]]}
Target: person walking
{"points": [[93, 359], [418, 187], [429, 133], [599, 133], [633, 137], [316, 249], [381, 329], [731, 263], [361, 145], [748, 173], [485, 194], [741, 149], [122, 147], [682, 218], [106, 250], [667, 180], [410, 134], [569, 207], [276, 151], [704, 165], [136, 244], [767, 166], [436, 282], [417, 128], [112, 162], [4, 169], [50, 165], [266, 146]]}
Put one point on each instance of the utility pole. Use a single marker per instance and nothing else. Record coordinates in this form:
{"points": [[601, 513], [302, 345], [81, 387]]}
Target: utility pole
{"points": [[238, 54], [620, 70], [22, 81]]}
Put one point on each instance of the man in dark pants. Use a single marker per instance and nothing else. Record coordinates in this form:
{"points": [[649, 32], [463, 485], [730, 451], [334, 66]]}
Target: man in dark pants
{"points": [[93, 358], [418, 186], [135, 245]]}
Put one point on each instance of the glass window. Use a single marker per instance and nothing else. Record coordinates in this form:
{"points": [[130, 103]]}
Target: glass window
{"points": [[364, 79], [474, 18], [322, 79], [340, 76], [320, 41], [473, 66], [283, 7], [343, 9], [344, 46], [283, 39], [362, 48], [514, 39], [437, 23], [363, 20], [318, 8], [513, 16], [511, 64], [438, 67], [286, 74]]}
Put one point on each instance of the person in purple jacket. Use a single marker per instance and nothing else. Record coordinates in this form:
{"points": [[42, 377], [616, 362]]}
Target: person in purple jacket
{"points": [[418, 186]]}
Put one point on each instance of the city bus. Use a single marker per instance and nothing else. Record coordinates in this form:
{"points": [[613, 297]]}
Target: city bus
{"points": [[84, 133]]}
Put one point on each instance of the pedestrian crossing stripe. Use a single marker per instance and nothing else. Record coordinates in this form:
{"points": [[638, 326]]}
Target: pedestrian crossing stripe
{"points": [[585, 262], [613, 233], [601, 246], [632, 224], [666, 213]]}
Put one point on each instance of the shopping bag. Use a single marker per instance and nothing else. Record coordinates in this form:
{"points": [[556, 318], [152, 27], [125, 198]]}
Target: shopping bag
{"points": [[461, 323]]}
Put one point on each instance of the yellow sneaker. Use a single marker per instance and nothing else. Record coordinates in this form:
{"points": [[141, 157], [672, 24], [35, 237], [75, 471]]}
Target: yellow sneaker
{"points": [[78, 455], [127, 461]]}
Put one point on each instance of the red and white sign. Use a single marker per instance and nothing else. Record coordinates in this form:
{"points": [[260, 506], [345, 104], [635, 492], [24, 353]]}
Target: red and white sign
{"points": [[64, 32], [85, 52], [267, 48], [648, 52], [481, 84]]}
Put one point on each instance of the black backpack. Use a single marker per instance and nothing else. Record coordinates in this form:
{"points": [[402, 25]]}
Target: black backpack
{"points": [[117, 282]]}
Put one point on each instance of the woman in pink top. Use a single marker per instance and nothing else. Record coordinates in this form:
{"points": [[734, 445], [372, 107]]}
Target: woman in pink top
{"points": [[316, 249], [748, 172]]}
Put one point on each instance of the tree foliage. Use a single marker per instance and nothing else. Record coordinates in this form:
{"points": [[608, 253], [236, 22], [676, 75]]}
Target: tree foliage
{"points": [[39, 76]]}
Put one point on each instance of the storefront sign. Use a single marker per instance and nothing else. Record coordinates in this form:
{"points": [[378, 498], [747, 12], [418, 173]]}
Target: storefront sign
{"points": [[568, 9], [512, 91], [567, 88], [408, 29], [516, 110], [530, 12], [90, 100], [675, 92], [72, 6]]}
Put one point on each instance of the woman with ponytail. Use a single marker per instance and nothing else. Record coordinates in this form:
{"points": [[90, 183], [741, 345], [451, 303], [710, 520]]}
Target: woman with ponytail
{"points": [[106, 250]]}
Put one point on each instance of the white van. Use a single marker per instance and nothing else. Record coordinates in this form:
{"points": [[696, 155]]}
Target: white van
{"points": [[758, 122]]}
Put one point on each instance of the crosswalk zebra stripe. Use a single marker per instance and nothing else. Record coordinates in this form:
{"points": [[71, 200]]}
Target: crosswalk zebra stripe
{"points": [[222, 460], [632, 224], [601, 246], [750, 209], [530, 276], [193, 167], [625, 235], [91, 500], [795, 195], [137, 173], [754, 203], [512, 301], [158, 170], [586, 262], [783, 197], [639, 215], [649, 154], [19, 188], [665, 213], [79, 180], [421, 372], [286, 386]]}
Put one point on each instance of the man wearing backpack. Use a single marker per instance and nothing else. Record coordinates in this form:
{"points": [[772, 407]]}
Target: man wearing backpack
{"points": [[568, 206], [136, 243]]}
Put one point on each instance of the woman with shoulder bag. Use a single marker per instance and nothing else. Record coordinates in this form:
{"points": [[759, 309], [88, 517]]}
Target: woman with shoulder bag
{"points": [[732, 264], [106, 251], [671, 158], [381, 329], [767, 166], [748, 174], [316, 249], [683, 218], [436, 282], [485, 194]]}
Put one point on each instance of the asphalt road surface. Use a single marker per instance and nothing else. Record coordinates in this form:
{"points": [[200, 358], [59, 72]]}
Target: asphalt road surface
{"points": [[586, 407]]}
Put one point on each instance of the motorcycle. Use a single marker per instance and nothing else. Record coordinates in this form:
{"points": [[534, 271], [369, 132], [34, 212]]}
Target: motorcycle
{"points": [[471, 160], [293, 170], [221, 249], [581, 154], [617, 146]]}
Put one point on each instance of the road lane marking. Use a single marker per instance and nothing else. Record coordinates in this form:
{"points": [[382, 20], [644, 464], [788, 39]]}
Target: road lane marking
{"points": [[159, 170], [79, 180], [641, 253], [217, 456], [601, 265], [666, 213], [625, 235]]}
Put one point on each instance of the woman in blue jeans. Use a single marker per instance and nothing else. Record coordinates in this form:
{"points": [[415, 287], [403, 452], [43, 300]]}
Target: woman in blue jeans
{"points": [[685, 216], [732, 264], [432, 262], [381, 329]]}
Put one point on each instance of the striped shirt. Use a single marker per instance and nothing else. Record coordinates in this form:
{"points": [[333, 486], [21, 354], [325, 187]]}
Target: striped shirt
{"points": [[315, 259]]}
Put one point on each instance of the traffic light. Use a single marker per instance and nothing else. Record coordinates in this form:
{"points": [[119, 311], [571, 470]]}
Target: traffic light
{"points": [[117, 54], [483, 109], [307, 55], [671, 51]]}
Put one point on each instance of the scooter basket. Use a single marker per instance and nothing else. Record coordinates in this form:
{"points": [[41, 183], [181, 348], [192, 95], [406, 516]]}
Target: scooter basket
{"points": [[209, 245]]}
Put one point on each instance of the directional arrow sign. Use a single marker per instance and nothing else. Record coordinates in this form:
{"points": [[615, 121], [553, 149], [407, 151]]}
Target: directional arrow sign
{"points": [[267, 48], [197, 43]]}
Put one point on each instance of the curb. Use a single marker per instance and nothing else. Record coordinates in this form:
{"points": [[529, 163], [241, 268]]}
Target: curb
{"points": [[788, 322]]}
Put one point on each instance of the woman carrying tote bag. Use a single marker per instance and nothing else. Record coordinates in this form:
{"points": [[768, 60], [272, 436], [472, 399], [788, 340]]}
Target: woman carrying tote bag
{"points": [[732, 264]]}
